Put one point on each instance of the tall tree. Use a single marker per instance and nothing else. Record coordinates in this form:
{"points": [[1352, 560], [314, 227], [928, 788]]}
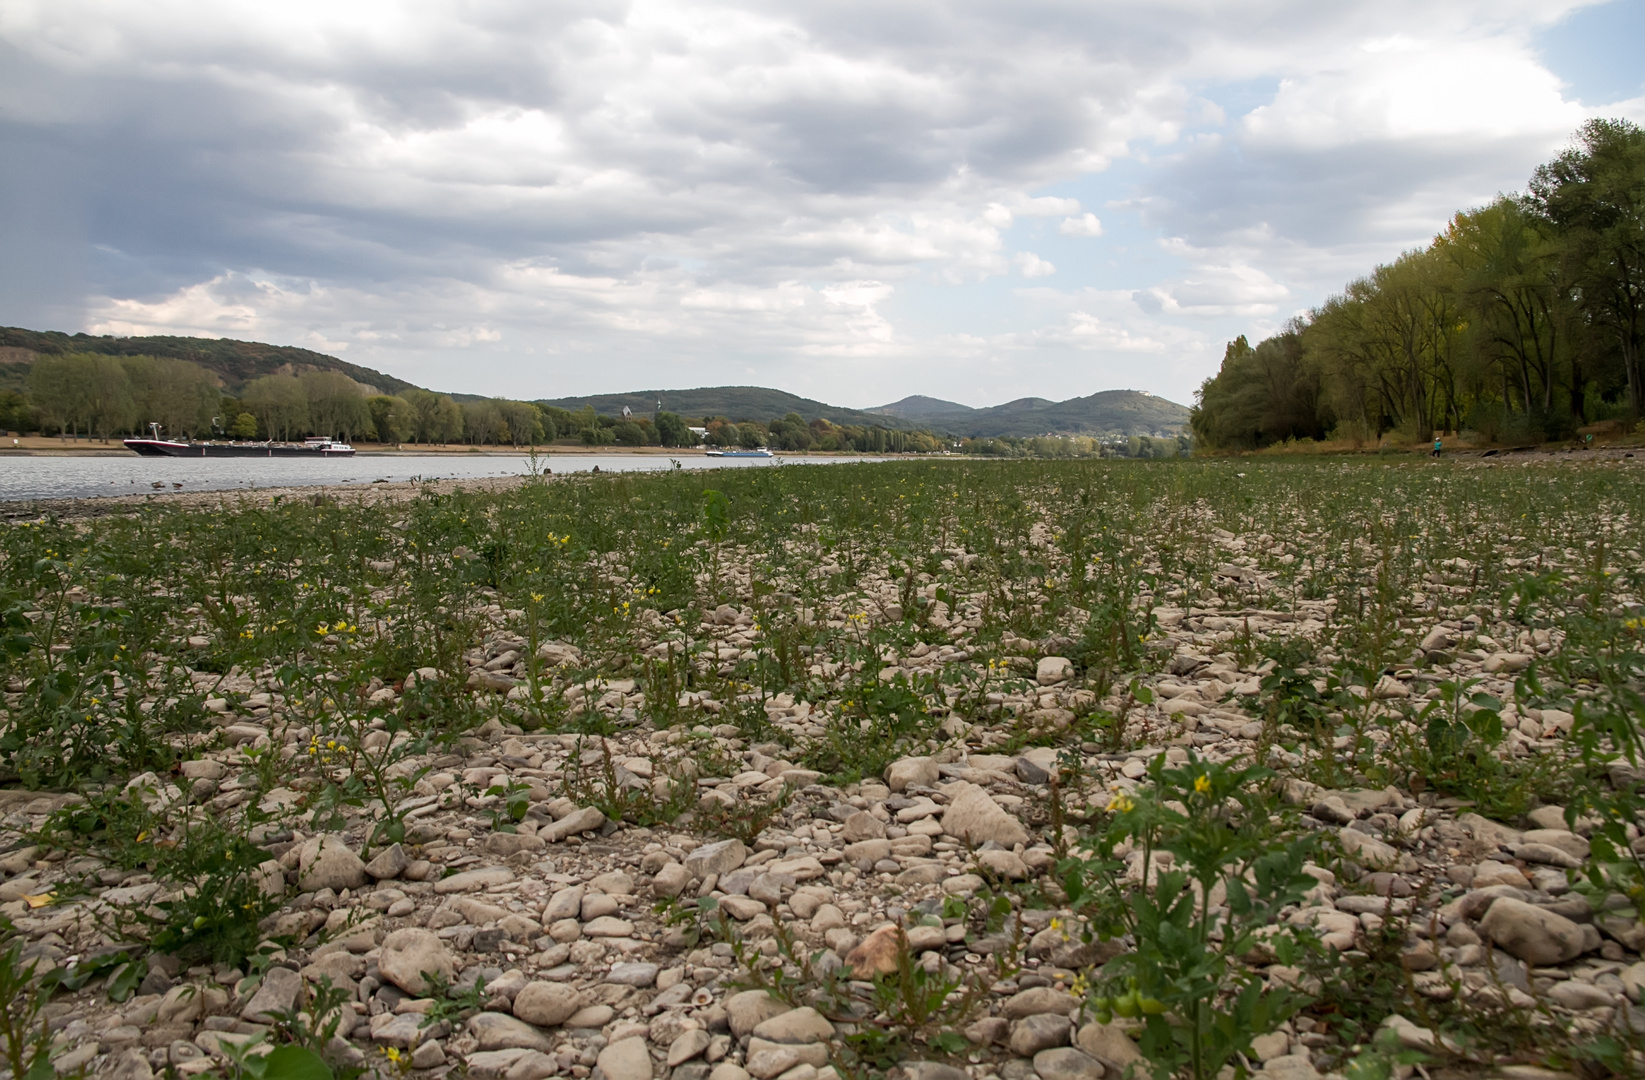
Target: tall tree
{"points": [[279, 403], [336, 404], [1594, 195]]}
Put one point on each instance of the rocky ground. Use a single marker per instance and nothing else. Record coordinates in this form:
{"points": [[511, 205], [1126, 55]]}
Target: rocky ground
{"points": [[566, 943], [582, 976]]}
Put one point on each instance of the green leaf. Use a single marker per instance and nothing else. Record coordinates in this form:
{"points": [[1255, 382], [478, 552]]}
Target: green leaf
{"points": [[295, 1063], [126, 979]]}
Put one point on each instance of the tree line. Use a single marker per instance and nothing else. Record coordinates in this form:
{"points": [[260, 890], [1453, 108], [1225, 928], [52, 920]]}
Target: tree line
{"points": [[100, 396], [1523, 320]]}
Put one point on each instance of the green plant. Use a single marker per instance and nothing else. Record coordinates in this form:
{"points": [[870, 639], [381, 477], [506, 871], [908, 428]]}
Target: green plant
{"points": [[211, 867], [874, 727], [26, 1037], [621, 797], [696, 917], [514, 800], [452, 1002], [887, 1018], [747, 817], [1461, 754], [1192, 922]]}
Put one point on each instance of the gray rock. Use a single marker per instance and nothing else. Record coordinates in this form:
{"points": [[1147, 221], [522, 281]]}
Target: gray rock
{"points": [[670, 880], [499, 1031], [1577, 996], [578, 821], [389, 863], [632, 974], [1537, 936], [718, 858], [933, 1070], [911, 770], [1031, 772], [547, 1004], [1053, 669], [327, 863], [974, 817], [863, 826], [768, 1059], [687, 1045], [626, 1059], [1067, 1063], [750, 1009], [1032, 1034], [409, 954], [474, 880], [131, 1064], [802, 1025], [867, 852], [532, 1065], [1037, 1000], [276, 993], [565, 904], [403, 1031]]}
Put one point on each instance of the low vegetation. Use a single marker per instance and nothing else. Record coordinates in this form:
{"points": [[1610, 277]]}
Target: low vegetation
{"points": [[1274, 767]]}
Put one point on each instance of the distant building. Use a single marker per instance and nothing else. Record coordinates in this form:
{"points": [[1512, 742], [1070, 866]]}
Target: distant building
{"points": [[700, 432]]}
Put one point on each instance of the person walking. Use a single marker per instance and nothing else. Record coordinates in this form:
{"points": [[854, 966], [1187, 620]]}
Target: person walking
{"points": [[1436, 446]]}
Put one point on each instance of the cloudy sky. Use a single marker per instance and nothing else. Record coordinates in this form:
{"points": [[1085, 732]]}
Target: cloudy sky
{"points": [[853, 200]]}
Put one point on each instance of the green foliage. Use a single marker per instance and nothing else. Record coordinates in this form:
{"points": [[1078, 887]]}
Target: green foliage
{"points": [[1459, 754], [25, 1038], [208, 861], [1200, 1005], [1521, 320], [873, 728]]}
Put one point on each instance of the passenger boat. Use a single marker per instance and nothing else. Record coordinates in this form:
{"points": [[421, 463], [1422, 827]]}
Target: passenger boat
{"points": [[312, 447], [761, 452]]}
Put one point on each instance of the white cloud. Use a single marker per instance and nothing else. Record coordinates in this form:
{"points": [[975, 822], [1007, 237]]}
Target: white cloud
{"points": [[1032, 266], [1085, 225]]}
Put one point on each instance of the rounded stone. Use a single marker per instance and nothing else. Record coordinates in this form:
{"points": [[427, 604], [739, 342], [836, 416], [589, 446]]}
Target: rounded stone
{"points": [[547, 1004]]}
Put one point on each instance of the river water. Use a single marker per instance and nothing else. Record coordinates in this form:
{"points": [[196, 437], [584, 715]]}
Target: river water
{"points": [[88, 477]]}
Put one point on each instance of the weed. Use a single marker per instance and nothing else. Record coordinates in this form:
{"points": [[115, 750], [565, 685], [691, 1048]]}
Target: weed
{"points": [[1217, 901], [745, 818], [26, 1037]]}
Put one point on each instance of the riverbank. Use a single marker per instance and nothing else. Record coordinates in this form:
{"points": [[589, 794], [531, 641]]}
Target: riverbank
{"points": [[237, 500], [51, 446]]}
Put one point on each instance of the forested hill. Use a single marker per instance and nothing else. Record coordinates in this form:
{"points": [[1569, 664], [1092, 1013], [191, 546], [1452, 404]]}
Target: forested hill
{"points": [[235, 362], [918, 407], [1127, 412], [1523, 321], [732, 402]]}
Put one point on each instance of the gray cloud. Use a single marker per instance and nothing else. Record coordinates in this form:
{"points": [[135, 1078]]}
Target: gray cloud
{"points": [[508, 191]]}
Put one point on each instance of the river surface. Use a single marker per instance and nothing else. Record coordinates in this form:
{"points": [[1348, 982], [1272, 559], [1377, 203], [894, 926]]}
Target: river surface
{"points": [[89, 477]]}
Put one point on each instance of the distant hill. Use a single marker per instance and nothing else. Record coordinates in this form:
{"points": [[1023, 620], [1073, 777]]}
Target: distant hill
{"points": [[1109, 412], [918, 407], [235, 362], [731, 402]]}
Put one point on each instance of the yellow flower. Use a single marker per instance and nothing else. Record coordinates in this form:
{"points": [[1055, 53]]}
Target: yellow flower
{"points": [[1202, 784], [393, 1054], [1121, 802]]}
